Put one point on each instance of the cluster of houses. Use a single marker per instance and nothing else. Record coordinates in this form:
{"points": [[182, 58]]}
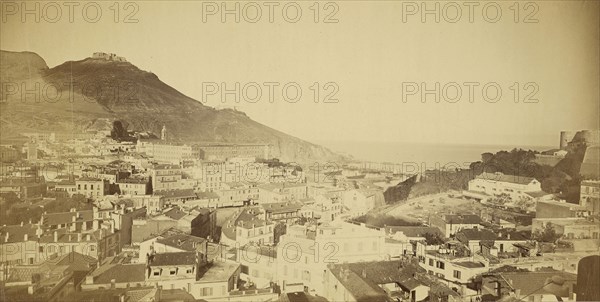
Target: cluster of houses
{"points": [[223, 223]]}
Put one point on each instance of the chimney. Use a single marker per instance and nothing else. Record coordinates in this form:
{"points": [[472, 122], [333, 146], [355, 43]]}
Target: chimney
{"points": [[25, 237], [6, 237], [364, 273], [112, 283], [55, 236], [21, 223]]}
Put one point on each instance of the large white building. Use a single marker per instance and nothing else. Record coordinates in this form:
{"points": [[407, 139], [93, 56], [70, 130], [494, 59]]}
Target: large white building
{"points": [[303, 253], [285, 191], [166, 177], [494, 184], [168, 153]]}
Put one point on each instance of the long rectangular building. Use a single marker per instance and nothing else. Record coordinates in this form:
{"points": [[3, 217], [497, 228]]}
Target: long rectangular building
{"points": [[226, 151]]}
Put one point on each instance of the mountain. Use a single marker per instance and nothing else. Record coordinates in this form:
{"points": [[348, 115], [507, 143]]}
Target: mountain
{"points": [[16, 66], [75, 95]]}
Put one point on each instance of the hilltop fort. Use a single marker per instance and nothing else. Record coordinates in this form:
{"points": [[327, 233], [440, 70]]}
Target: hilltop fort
{"points": [[108, 57]]}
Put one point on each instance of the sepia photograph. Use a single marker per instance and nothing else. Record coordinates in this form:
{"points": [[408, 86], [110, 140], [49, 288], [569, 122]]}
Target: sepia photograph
{"points": [[300, 151]]}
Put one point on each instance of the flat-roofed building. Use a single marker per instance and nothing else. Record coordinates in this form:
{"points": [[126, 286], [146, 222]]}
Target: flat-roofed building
{"points": [[281, 192], [590, 195], [91, 187], [558, 209], [134, 186], [166, 177]]}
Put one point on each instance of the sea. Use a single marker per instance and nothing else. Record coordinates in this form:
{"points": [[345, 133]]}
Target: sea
{"points": [[433, 156]]}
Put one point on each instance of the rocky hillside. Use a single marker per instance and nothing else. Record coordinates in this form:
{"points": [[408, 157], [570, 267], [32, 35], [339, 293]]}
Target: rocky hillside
{"points": [[75, 94], [16, 66]]}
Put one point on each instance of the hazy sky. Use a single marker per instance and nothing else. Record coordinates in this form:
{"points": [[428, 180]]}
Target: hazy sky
{"points": [[369, 53]]}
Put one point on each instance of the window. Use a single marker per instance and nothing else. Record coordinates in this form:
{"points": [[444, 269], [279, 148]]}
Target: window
{"points": [[173, 271], [92, 248], [306, 275], [441, 265], [207, 291], [430, 262], [456, 274], [91, 187], [41, 249], [156, 273]]}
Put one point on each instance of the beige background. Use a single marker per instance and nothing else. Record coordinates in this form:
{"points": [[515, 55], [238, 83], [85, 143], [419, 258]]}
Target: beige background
{"points": [[368, 53]]}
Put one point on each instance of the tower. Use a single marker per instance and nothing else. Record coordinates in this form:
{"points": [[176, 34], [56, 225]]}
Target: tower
{"points": [[32, 150], [163, 133]]}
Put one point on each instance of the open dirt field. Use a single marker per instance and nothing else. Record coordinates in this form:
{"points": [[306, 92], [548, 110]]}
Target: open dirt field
{"points": [[418, 209]]}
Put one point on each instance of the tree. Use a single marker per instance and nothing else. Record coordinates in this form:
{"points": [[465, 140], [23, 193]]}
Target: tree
{"points": [[433, 238], [118, 131], [10, 199], [487, 156], [280, 229], [548, 234]]}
